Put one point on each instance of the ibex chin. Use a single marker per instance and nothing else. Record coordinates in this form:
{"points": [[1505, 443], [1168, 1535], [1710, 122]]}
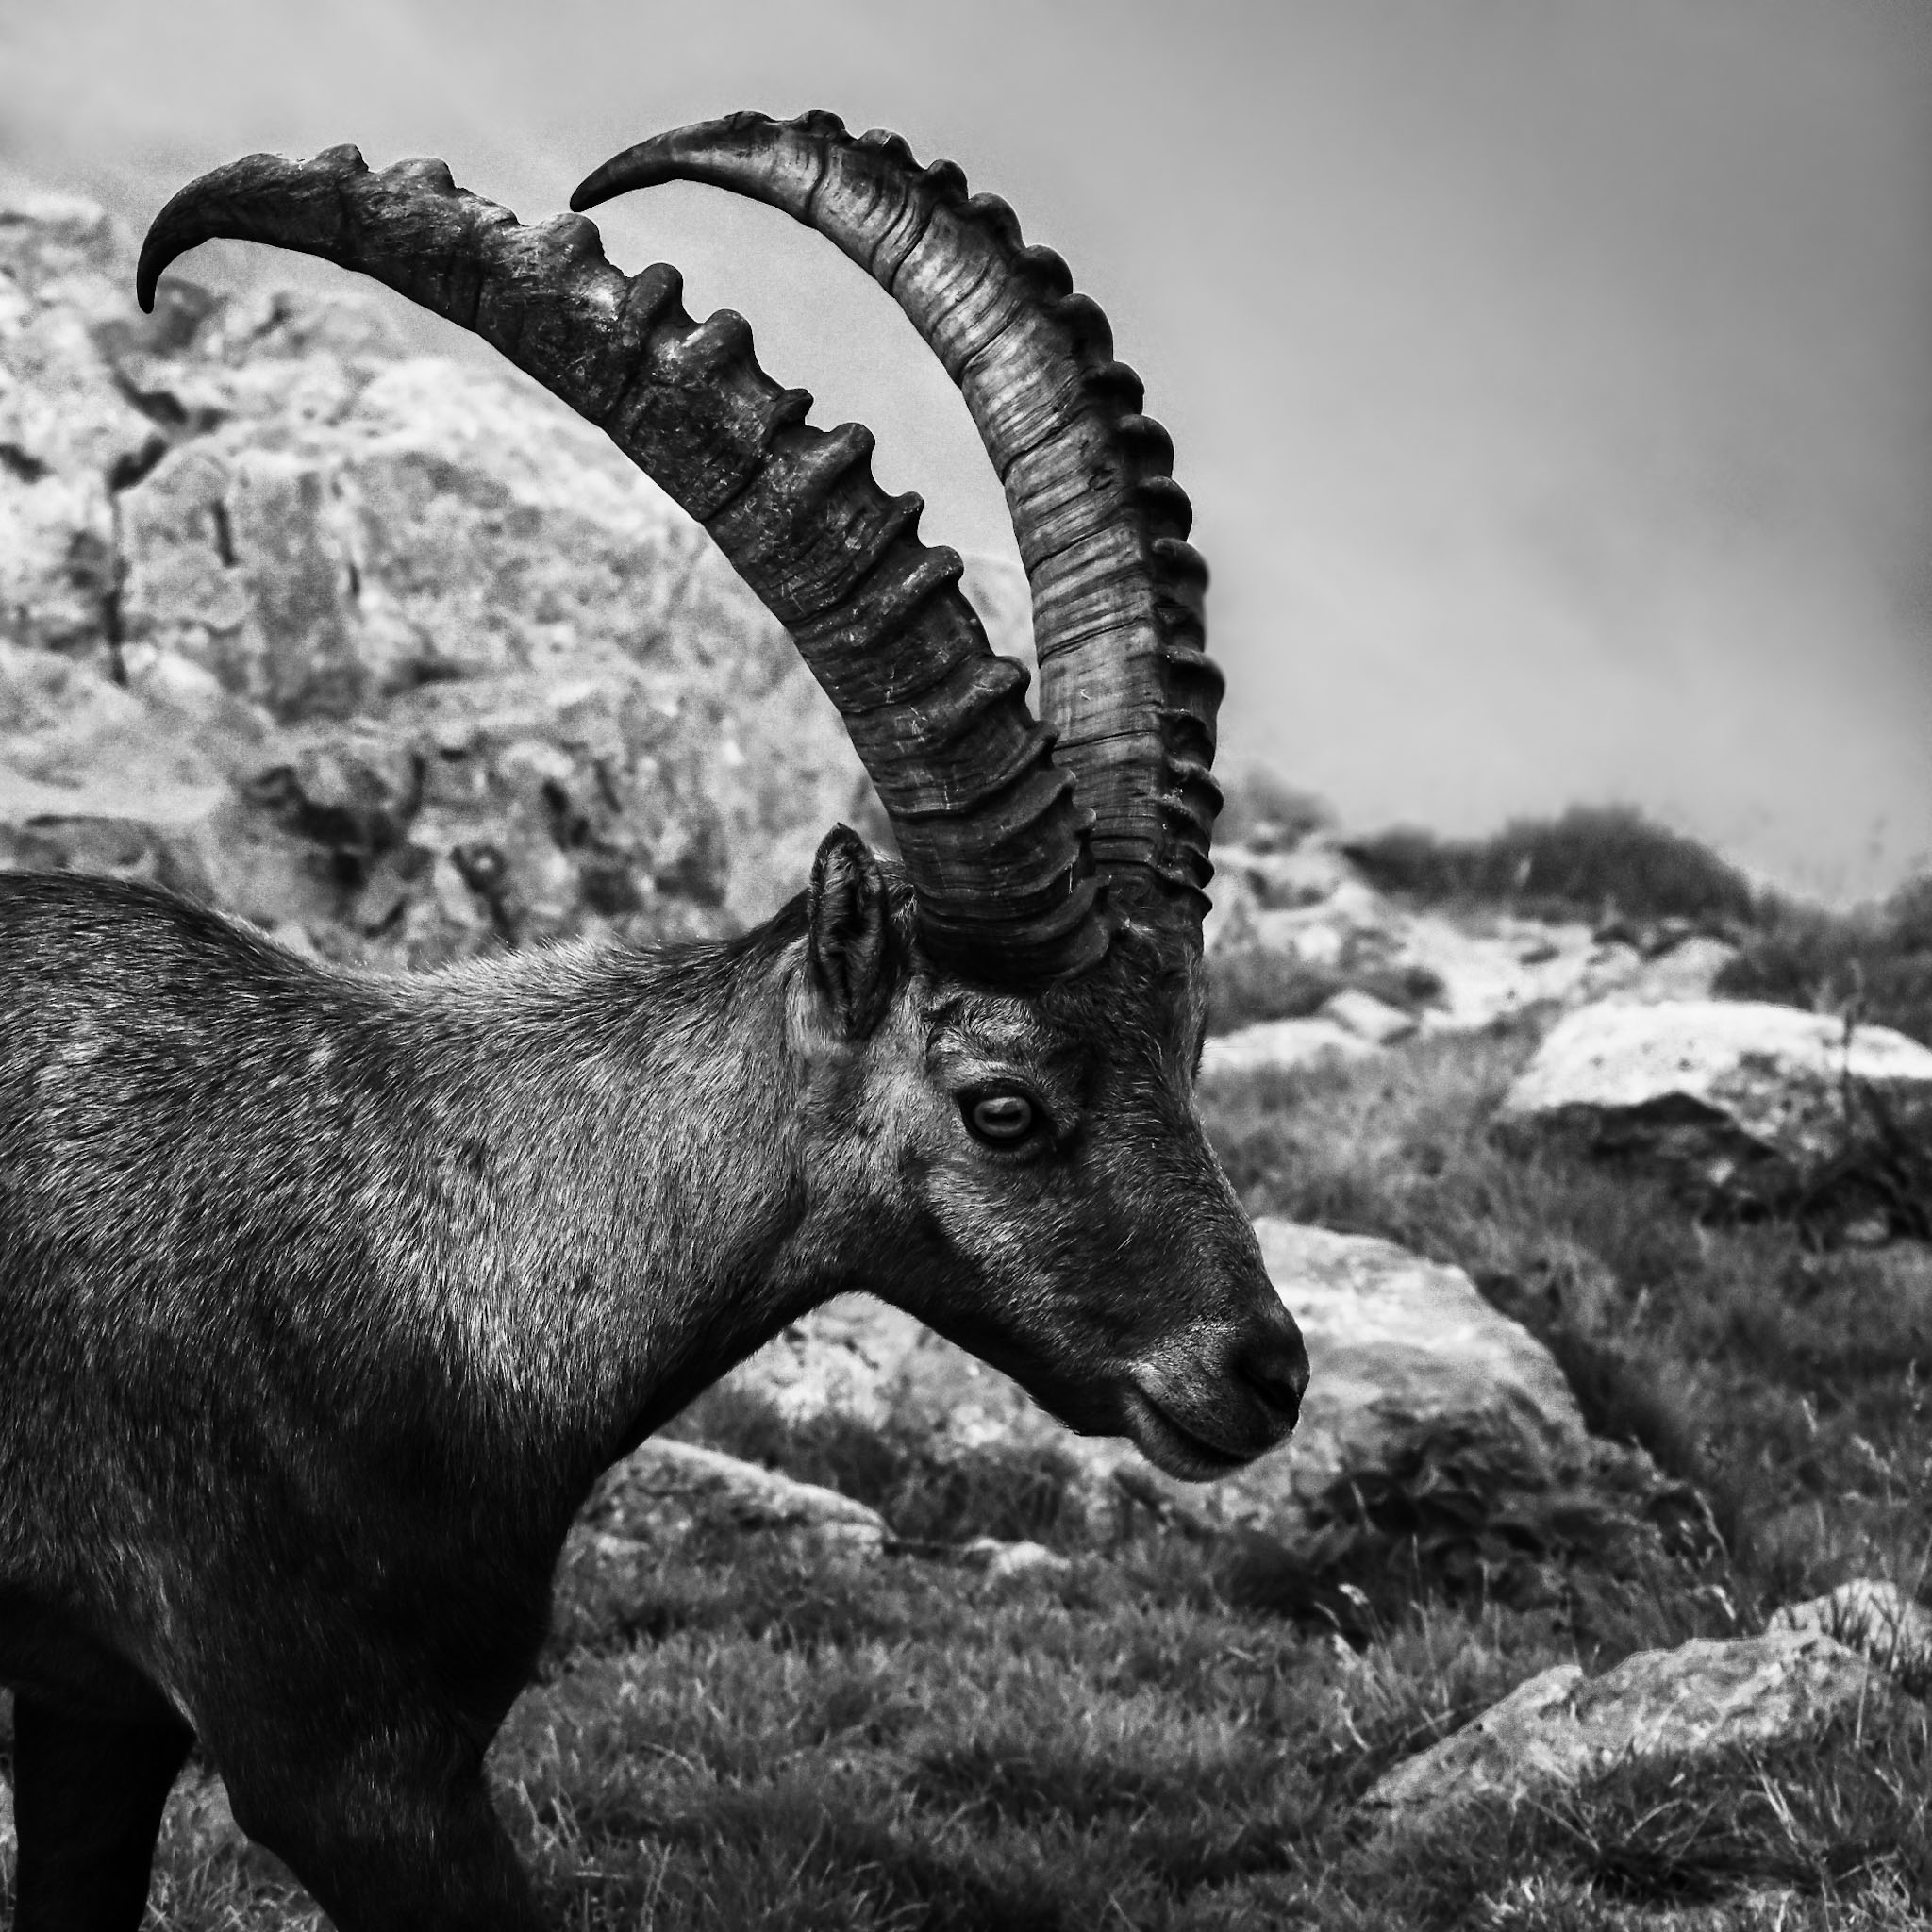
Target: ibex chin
{"points": [[325, 1297]]}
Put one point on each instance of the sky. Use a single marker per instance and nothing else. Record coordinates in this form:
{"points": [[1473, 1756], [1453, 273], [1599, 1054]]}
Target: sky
{"points": [[1552, 378]]}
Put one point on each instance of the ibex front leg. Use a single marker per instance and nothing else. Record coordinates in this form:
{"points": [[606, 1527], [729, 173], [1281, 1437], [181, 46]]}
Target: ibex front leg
{"points": [[395, 1834], [87, 1800]]}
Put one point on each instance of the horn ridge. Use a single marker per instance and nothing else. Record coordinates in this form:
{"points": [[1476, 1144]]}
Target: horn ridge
{"points": [[1100, 524], [878, 616]]}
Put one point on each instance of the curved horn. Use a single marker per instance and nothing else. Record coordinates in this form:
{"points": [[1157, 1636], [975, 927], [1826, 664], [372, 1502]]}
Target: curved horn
{"points": [[1117, 592], [993, 838]]}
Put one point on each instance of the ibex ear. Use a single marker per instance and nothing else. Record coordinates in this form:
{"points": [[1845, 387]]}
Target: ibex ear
{"points": [[852, 946]]}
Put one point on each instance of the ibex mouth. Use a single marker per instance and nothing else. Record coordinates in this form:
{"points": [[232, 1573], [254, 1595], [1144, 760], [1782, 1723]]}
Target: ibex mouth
{"points": [[1179, 1451]]}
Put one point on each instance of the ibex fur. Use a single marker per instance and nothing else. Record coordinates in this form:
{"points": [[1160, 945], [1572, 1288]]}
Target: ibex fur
{"points": [[326, 1296]]}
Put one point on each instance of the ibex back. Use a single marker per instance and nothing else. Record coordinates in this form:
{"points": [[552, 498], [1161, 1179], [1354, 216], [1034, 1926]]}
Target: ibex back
{"points": [[325, 1297]]}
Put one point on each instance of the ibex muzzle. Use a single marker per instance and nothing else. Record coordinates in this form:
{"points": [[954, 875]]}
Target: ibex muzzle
{"points": [[325, 1297]]}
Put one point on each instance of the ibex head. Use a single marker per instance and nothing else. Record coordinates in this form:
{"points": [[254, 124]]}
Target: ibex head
{"points": [[1001, 1034]]}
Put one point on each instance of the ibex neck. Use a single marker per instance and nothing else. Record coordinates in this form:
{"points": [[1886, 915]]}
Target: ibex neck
{"points": [[621, 1171]]}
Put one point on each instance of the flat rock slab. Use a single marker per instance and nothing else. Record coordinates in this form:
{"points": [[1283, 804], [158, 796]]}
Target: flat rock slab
{"points": [[1400, 1348], [1745, 1097], [1694, 1702]]}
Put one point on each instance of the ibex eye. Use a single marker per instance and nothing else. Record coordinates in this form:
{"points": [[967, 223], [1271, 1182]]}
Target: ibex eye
{"points": [[1001, 1120]]}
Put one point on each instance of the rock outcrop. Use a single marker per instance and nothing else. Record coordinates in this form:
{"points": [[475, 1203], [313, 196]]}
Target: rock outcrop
{"points": [[1291, 931], [379, 651], [1745, 1103], [1687, 1705]]}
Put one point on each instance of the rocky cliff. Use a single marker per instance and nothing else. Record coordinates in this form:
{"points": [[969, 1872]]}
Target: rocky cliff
{"points": [[395, 658]]}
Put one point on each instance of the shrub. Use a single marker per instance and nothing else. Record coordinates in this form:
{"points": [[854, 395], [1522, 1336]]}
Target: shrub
{"points": [[1874, 962], [1600, 861]]}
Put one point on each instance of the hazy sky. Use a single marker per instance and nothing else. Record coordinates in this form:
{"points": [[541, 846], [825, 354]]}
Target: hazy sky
{"points": [[1552, 378]]}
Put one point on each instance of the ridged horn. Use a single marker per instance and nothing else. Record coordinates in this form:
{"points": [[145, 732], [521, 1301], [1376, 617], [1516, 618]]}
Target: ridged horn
{"points": [[1118, 592], [993, 838]]}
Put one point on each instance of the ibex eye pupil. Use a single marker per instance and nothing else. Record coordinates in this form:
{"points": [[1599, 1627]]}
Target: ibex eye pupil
{"points": [[1002, 1117]]}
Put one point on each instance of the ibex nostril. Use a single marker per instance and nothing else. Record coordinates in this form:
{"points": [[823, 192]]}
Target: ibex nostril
{"points": [[1277, 1372]]}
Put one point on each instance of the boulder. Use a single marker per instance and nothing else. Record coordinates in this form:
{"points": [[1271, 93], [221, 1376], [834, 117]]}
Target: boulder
{"points": [[1406, 1357], [1745, 1102], [1398, 1348], [1691, 1703], [1876, 1619], [665, 1489]]}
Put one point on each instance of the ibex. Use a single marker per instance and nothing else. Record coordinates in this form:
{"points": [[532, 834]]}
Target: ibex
{"points": [[326, 1296]]}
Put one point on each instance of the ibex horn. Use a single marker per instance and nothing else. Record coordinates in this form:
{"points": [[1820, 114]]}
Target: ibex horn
{"points": [[1117, 592], [993, 840]]}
